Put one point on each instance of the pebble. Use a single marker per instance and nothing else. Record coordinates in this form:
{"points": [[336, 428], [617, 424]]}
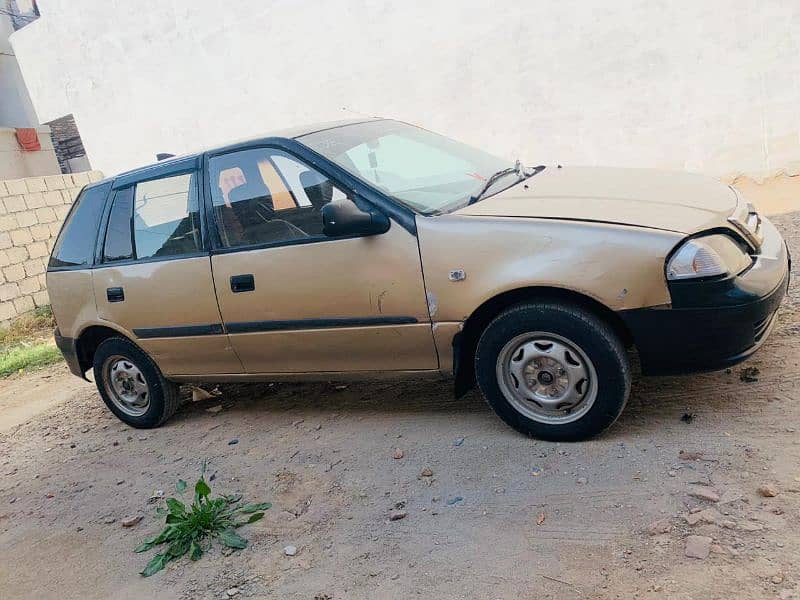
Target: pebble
{"points": [[777, 579], [398, 454], [426, 472], [214, 409], [659, 527], [396, 515], [708, 515], [702, 494], [698, 546], [120, 481], [109, 520], [131, 521], [453, 500], [582, 481], [233, 441], [768, 490], [458, 441], [232, 592], [290, 550]]}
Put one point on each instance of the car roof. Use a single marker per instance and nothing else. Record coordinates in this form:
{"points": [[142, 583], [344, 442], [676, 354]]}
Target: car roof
{"points": [[175, 163]]}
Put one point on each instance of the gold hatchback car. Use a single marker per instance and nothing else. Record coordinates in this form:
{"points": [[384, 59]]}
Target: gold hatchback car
{"points": [[374, 248]]}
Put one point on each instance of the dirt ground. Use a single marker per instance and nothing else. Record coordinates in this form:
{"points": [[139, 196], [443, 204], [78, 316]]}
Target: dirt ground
{"points": [[608, 518]]}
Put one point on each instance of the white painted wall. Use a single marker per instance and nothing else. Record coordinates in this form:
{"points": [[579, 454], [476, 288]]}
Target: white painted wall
{"points": [[16, 109], [710, 85]]}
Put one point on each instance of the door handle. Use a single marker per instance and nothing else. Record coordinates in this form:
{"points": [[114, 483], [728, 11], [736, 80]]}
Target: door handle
{"points": [[242, 283], [115, 294]]}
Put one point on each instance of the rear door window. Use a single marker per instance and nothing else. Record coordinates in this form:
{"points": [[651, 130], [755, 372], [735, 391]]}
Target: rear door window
{"points": [[75, 244], [153, 219]]}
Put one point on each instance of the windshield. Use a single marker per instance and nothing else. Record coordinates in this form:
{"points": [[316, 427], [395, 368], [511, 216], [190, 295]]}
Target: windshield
{"points": [[427, 172]]}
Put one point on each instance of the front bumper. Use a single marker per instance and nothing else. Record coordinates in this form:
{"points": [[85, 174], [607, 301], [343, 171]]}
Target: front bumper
{"points": [[714, 324], [70, 353]]}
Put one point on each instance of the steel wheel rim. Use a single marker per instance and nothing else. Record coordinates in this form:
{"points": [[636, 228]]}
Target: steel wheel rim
{"points": [[126, 385], [547, 378]]}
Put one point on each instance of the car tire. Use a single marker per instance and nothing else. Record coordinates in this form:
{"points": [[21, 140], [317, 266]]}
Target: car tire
{"points": [[553, 371], [132, 385]]}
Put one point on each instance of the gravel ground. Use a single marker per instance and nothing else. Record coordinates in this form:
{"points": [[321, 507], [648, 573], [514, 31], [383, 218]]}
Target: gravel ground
{"points": [[501, 516]]}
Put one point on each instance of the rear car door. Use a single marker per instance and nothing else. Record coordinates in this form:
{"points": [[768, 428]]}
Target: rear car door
{"points": [[153, 274], [296, 301]]}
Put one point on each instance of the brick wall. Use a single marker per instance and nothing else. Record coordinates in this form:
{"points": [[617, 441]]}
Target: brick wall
{"points": [[31, 213]]}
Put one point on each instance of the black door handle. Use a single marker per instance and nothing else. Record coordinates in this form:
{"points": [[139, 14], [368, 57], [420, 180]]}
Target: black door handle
{"points": [[115, 294], [242, 283]]}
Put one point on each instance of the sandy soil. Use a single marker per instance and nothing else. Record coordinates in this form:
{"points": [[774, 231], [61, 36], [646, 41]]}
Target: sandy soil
{"points": [[607, 518]]}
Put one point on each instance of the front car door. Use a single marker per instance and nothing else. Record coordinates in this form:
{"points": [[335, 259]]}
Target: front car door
{"points": [[153, 275], [296, 301]]}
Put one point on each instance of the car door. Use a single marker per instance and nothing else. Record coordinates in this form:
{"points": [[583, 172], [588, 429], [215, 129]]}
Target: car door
{"points": [[296, 301], [153, 275]]}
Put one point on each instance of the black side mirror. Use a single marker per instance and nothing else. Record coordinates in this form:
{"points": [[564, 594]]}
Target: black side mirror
{"points": [[343, 217]]}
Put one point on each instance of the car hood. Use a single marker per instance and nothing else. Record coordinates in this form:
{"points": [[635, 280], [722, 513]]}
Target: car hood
{"points": [[673, 201]]}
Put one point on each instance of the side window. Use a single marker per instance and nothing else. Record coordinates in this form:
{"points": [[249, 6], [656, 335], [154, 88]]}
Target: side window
{"points": [[263, 196], [75, 244], [118, 244], [166, 219], [153, 219]]}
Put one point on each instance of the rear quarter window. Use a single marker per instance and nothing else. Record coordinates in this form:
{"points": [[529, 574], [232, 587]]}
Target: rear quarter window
{"points": [[75, 244]]}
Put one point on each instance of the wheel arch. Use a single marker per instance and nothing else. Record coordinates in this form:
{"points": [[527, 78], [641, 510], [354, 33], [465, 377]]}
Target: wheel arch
{"points": [[90, 338], [466, 341]]}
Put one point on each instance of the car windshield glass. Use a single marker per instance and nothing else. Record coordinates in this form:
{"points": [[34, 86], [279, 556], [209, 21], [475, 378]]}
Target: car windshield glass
{"points": [[427, 172]]}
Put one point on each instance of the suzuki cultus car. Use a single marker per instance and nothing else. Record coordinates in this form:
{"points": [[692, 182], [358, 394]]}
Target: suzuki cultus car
{"points": [[374, 248]]}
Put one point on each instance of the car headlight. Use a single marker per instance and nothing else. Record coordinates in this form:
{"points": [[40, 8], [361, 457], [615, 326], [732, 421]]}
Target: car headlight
{"points": [[708, 256]]}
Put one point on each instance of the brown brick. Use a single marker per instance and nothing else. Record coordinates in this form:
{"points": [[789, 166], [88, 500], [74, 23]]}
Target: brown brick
{"points": [[40, 232], [8, 222], [24, 304], [15, 204], [37, 250], [55, 227], [45, 215], [21, 237], [62, 211], [70, 195], [4, 259], [14, 273], [17, 254], [80, 179], [41, 298], [7, 311], [26, 219], [53, 199], [35, 184], [35, 200], [29, 286], [16, 187], [43, 280], [5, 240], [33, 267], [9, 291], [54, 182]]}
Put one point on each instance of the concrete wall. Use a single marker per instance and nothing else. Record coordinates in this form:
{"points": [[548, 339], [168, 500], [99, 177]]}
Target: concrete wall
{"points": [[31, 213], [16, 163], [711, 86], [16, 109]]}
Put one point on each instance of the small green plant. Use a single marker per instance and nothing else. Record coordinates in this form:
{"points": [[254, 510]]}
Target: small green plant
{"points": [[20, 358], [192, 529]]}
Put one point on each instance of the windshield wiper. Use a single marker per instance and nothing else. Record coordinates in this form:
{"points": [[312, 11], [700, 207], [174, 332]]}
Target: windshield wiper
{"points": [[518, 168]]}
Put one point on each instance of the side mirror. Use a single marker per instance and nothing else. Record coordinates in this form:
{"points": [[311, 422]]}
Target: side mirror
{"points": [[343, 217]]}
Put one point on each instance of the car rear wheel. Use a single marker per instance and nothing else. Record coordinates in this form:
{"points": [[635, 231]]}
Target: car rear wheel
{"points": [[553, 371], [131, 384]]}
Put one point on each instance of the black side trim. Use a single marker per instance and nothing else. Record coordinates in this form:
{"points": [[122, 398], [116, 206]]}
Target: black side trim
{"points": [[254, 326], [69, 351], [180, 331]]}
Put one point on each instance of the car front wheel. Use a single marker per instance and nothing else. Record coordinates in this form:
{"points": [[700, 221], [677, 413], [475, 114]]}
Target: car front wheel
{"points": [[553, 371], [132, 386]]}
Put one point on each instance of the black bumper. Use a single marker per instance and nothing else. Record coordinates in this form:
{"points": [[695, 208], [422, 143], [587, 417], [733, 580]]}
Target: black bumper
{"points": [[713, 324], [69, 351]]}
